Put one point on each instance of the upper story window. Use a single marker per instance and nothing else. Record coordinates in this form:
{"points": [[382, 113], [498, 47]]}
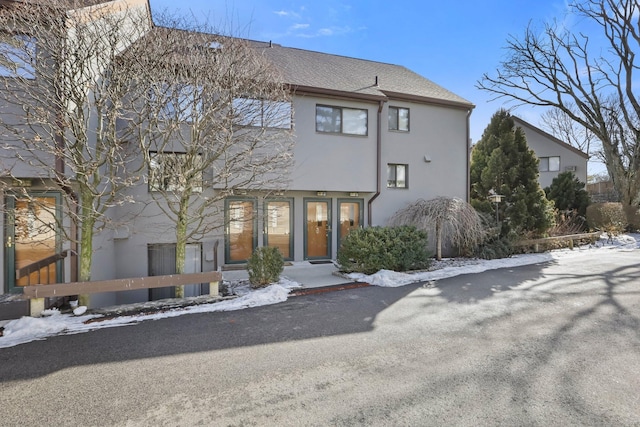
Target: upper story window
{"points": [[17, 55], [399, 119], [262, 113], [183, 102], [549, 164], [169, 171], [397, 175], [350, 121]]}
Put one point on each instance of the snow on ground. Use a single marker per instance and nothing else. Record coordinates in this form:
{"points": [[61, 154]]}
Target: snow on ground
{"points": [[29, 329]]}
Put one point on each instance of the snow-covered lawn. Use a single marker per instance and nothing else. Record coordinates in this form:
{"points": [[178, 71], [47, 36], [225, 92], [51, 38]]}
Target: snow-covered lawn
{"points": [[29, 329]]}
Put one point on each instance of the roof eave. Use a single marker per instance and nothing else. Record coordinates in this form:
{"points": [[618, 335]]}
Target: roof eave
{"points": [[429, 100], [301, 89]]}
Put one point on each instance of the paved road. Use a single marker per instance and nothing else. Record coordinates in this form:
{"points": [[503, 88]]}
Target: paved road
{"points": [[550, 344]]}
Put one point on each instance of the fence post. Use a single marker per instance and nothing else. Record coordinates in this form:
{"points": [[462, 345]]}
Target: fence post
{"points": [[214, 290], [36, 307]]}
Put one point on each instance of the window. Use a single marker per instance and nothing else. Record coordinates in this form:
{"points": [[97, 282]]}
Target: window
{"points": [[262, 113], [399, 119], [397, 176], [174, 172], [17, 55], [350, 121], [549, 164], [180, 101]]}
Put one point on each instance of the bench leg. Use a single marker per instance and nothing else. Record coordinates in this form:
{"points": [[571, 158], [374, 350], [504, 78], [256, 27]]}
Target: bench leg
{"points": [[36, 307]]}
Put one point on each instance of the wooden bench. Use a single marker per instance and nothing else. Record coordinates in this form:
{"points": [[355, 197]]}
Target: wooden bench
{"points": [[37, 293], [592, 237]]}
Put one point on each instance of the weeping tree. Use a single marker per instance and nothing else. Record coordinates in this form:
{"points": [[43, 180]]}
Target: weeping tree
{"points": [[217, 122], [60, 109], [451, 220], [587, 73]]}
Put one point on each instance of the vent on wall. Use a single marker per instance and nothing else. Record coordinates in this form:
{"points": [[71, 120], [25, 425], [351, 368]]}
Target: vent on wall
{"points": [[570, 168]]}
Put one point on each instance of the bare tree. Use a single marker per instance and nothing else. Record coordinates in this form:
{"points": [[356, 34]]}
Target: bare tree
{"points": [[217, 122], [560, 124], [451, 220], [592, 83], [59, 108]]}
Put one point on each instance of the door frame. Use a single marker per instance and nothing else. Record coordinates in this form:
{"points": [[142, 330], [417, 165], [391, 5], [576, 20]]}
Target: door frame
{"points": [[227, 222], [305, 203], [10, 199], [360, 203], [265, 240]]}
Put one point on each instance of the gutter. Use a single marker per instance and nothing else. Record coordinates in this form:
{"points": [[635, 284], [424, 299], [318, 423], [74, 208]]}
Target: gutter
{"points": [[378, 163], [468, 190]]}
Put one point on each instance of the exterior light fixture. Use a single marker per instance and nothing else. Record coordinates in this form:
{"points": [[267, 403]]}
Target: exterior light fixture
{"points": [[321, 193]]}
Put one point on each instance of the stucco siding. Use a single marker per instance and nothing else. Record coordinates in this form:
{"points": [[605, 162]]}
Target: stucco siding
{"points": [[332, 162]]}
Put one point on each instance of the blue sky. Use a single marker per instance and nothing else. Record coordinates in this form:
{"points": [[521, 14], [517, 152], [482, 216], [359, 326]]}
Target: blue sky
{"points": [[451, 43]]}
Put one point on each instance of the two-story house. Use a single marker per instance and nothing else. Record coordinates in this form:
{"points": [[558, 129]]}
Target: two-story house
{"points": [[370, 138], [555, 156]]}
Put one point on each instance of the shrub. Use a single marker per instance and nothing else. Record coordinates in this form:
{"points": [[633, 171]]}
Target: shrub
{"points": [[265, 266], [607, 217], [367, 250], [568, 193], [633, 218], [495, 247]]}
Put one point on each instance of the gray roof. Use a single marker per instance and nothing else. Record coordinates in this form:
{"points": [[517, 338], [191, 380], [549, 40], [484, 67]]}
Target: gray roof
{"points": [[316, 72], [310, 70]]}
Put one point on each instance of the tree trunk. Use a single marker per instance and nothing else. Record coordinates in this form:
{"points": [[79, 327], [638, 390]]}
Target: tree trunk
{"points": [[181, 243], [86, 240], [438, 241]]}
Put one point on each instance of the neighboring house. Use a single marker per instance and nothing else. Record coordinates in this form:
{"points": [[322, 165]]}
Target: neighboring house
{"points": [[370, 138], [555, 156]]}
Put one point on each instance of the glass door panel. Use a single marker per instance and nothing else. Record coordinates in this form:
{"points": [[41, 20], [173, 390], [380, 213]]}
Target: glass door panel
{"points": [[31, 237], [317, 229], [350, 217], [240, 229], [278, 226]]}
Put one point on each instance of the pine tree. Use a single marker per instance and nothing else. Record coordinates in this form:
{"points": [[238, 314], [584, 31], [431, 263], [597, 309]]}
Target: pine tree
{"points": [[568, 193], [502, 163]]}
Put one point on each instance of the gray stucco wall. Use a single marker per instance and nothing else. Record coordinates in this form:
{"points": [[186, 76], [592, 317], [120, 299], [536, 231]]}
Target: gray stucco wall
{"points": [[544, 146]]}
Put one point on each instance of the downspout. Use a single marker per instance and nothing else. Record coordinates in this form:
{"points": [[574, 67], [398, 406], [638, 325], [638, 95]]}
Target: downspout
{"points": [[469, 155], [378, 162]]}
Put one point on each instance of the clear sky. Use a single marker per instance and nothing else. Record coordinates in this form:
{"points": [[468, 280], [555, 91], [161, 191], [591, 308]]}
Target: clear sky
{"points": [[451, 43]]}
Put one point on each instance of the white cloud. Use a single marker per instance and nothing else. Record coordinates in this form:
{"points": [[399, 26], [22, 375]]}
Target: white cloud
{"points": [[299, 26]]}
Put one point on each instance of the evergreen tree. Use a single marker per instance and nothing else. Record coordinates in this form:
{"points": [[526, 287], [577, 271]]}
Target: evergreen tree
{"points": [[568, 193], [502, 163]]}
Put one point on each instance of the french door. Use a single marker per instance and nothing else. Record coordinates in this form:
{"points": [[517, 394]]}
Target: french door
{"points": [[351, 212], [317, 230], [278, 226], [241, 229], [31, 235]]}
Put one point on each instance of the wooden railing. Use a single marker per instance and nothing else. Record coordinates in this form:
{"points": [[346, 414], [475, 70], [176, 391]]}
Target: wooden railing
{"points": [[535, 243], [38, 266], [37, 293]]}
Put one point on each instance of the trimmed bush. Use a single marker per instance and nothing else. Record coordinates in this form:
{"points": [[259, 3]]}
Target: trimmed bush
{"points": [[607, 217], [265, 266], [367, 250], [633, 218]]}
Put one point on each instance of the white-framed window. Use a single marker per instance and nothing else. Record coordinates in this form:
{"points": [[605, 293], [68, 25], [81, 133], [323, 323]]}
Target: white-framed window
{"points": [[17, 55], [350, 121], [549, 164], [399, 119], [169, 171], [183, 102], [397, 175], [262, 113]]}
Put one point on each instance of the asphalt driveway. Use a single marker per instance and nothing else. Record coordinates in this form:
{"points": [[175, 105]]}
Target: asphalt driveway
{"points": [[548, 344]]}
